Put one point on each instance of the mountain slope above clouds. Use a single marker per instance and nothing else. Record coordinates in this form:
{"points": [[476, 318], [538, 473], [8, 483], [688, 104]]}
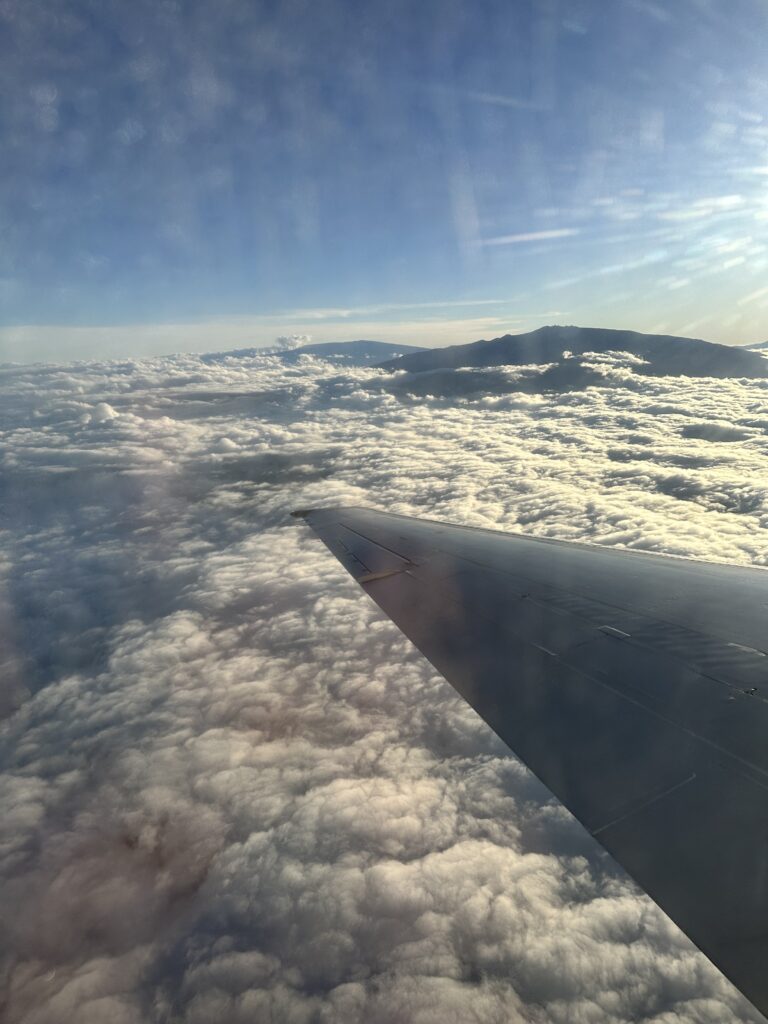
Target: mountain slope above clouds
{"points": [[346, 353], [666, 355], [352, 353]]}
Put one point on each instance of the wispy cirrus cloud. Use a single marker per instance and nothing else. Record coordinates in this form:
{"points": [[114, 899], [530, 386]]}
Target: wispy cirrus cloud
{"points": [[531, 236]]}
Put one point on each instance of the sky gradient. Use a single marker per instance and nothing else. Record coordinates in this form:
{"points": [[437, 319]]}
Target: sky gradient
{"points": [[197, 176]]}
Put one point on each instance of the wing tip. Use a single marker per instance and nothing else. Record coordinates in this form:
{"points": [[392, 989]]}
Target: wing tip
{"points": [[304, 513]]}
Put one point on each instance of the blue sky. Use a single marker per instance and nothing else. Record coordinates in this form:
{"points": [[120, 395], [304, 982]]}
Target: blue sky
{"points": [[198, 175]]}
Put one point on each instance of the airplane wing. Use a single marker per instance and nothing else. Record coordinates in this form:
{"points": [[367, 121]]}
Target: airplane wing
{"points": [[635, 686]]}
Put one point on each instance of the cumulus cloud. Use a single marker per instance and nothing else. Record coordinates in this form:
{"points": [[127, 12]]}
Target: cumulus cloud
{"points": [[286, 342], [231, 790], [103, 413], [714, 432]]}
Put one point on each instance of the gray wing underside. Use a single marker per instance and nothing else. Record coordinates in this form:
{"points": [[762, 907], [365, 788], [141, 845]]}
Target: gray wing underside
{"points": [[635, 686]]}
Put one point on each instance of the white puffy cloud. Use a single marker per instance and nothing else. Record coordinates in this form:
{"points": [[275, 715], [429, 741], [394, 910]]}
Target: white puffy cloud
{"points": [[286, 342], [231, 790]]}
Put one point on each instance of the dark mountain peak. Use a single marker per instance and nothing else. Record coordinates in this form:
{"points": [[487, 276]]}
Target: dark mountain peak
{"points": [[666, 355]]}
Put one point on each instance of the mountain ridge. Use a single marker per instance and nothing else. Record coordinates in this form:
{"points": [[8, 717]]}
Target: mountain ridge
{"points": [[665, 355], [359, 352]]}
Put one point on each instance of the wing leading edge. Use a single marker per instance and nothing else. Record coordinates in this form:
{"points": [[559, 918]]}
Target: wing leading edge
{"points": [[635, 686]]}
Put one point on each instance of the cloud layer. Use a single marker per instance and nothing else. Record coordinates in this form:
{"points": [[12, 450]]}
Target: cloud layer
{"points": [[232, 791]]}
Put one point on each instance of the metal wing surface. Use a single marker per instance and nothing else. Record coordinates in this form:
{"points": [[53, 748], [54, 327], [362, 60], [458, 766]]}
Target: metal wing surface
{"points": [[635, 686]]}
